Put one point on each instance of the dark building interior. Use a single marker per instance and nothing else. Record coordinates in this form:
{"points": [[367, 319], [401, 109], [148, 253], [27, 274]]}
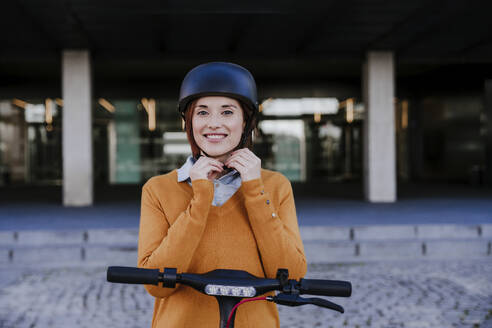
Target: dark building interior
{"points": [[295, 50]]}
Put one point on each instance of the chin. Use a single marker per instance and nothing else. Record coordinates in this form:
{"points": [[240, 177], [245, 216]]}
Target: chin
{"points": [[217, 149], [217, 153]]}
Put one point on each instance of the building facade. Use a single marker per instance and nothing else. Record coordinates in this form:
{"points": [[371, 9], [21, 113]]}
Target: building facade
{"points": [[380, 98]]}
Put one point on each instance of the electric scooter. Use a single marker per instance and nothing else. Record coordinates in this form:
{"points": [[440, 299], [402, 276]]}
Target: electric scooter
{"points": [[232, 288]]}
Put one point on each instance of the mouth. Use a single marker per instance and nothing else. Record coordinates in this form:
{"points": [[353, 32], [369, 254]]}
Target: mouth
{"points": [[215, 136]]}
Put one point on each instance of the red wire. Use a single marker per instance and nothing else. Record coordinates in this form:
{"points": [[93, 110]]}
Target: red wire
{"points": [[243, 301]]}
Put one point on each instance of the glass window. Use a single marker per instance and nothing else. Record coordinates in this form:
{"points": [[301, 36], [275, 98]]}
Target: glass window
{"points": [[136, 139], [311, 139], [30, 141]]}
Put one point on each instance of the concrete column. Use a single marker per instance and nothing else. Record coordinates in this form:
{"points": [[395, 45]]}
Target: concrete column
{"points": [[379, 127], [77, 128]]}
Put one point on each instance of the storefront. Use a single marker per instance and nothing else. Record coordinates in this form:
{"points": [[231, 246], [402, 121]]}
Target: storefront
{"points": [[439, 138], [307, 139]]}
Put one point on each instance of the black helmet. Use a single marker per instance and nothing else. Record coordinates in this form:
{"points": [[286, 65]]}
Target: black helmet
{"points": [[218, 79]]}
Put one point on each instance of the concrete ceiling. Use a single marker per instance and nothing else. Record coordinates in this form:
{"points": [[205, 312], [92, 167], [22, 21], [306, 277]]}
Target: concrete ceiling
{"points": [[314, 40]]}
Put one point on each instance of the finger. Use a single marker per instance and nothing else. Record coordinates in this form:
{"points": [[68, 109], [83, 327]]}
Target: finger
{"points": [[243, 158], [243, 151], [213, 170], [247, 157], [214, 161], [235, 155], [238, 164], [248, 154], [229, 159], [205, 159], [252, 156], [213, 166], [212, 175], [228, 162], [208, 161], [238, 151], [239, 168], [206, 170]]}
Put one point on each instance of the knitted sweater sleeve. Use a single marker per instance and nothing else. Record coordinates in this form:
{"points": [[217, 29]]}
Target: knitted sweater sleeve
{"points": [[163, 245], [275, 226]]}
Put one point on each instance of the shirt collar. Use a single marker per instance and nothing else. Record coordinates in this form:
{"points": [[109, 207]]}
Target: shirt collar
{"points": [[184, 172]]}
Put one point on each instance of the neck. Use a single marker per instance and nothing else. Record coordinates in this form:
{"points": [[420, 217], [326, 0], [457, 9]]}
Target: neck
{"points": [[221, 158]]}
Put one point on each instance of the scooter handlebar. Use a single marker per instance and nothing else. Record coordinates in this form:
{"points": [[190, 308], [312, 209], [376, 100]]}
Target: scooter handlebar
{"points": [[325, 287], [130, 275]]}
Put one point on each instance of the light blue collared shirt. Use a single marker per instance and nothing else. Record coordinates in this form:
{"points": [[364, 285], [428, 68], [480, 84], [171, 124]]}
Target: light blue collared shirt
{"points": [[224, 187]]}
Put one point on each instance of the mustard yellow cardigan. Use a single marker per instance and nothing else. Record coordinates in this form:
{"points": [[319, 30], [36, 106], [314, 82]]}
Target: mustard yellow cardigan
{"points": [[256, 230]]}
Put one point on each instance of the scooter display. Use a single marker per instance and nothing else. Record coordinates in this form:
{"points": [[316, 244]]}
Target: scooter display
{"points": [[232, 288]]}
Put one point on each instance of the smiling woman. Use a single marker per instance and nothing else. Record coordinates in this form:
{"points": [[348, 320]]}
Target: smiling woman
{"points": [[220, 210]]}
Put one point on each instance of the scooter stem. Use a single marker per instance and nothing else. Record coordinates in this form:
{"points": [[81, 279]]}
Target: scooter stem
{"points": [[226, 304]]}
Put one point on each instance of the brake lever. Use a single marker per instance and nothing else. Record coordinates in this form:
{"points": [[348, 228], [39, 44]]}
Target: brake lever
{"points": [[324, 303], [296, 300]]}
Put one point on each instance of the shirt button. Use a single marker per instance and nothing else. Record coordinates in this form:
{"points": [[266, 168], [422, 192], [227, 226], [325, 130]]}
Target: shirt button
{"points": [[217, 185], [274, 215], [268, 201]]}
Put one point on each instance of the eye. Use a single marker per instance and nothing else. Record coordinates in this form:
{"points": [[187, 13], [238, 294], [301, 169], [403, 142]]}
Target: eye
{"points": [[201, 112], [228, 112]]}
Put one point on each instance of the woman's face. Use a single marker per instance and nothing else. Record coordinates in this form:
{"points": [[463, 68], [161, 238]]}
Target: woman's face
{"points": [[218, 124]]}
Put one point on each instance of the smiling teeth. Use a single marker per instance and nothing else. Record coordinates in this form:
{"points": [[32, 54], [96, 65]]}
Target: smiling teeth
{"points": [[215, 136]]}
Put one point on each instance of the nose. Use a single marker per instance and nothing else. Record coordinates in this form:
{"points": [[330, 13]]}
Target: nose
{"points": [[214, 121]]}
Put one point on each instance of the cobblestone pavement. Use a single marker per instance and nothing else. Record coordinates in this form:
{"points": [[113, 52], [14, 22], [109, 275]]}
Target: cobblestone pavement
{"points": [[386, 294]]}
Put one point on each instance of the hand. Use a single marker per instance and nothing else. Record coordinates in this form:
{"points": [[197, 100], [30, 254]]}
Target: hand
{"points": [[206, 168], [246, 163]]}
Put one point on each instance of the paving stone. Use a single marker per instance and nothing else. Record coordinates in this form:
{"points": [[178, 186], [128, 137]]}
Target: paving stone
{"points": [[51, 237], [326, 251], [387, 232], [4, 256], [114, 255], [310, 233], [420, 294], [113, 236], [440, 231], [388, 250], [45, 255], [443, 249], [7, 238], [486, 230]]}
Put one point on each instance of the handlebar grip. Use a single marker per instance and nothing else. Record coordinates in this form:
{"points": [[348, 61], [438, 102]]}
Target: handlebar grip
{"points": [[325, 287], [129, 275]]}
